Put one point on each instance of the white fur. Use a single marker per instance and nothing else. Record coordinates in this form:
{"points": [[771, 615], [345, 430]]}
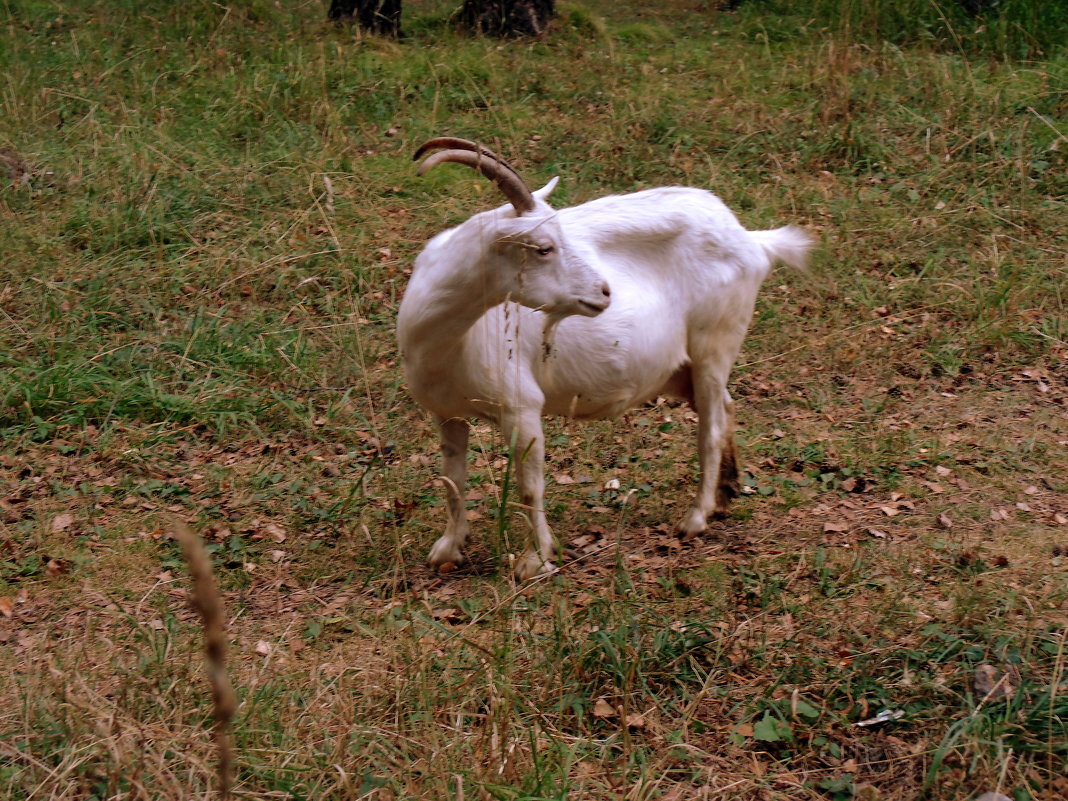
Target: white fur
{"points": [[492, 328]]}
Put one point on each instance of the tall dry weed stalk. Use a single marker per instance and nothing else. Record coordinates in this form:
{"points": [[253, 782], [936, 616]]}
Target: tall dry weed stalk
{"points": [[206, 600]]}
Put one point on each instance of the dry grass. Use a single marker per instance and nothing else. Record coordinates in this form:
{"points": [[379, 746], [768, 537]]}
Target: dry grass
{"points": [[205, 241]]}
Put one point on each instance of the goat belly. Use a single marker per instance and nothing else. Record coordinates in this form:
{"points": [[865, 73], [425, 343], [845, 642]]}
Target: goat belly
{"points": [[581, 407], [601, 371], [605, 399]]}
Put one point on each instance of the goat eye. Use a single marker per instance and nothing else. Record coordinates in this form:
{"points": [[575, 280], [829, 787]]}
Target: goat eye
{"points": [[546, 250]]}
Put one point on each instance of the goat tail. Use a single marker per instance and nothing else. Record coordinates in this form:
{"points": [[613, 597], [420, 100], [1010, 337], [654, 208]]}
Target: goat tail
{"points": [[788, 244]]}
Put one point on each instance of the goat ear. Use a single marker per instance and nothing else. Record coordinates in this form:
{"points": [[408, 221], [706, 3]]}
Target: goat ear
{"points": [[546, 190]]}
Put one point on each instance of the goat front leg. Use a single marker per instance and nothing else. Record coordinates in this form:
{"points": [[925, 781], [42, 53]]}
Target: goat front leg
{"points": [[524, 432], [449, 547], [716, 449]]}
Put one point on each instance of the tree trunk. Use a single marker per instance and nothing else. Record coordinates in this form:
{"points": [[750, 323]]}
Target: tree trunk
{"points": [[382, 17], [507, 17]]}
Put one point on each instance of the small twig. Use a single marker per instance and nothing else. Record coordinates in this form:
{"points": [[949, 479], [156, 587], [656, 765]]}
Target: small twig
{"points": [[992, 692], [1045, 121], [206, 600], [296, 388], [1047, 336]]}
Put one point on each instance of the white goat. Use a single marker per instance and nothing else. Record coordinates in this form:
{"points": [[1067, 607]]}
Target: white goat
{"points": [[586, 312]]}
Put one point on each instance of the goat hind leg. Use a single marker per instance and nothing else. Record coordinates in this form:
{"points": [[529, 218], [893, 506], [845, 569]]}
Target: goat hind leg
{"points": [[727, 483], [449, 547]]}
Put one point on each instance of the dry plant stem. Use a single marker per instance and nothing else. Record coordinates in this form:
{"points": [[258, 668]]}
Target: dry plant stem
{"points": [[206, 600]]}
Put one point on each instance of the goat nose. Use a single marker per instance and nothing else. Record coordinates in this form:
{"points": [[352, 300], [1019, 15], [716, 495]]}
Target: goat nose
{"points": [[606, 290]]}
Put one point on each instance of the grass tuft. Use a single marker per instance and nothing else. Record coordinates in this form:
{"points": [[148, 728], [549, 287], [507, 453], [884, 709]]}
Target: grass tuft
{"points": [[208, 216]]}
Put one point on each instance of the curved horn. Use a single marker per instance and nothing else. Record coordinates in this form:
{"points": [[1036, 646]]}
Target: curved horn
{"points": [[454, 143], [485, 162]]}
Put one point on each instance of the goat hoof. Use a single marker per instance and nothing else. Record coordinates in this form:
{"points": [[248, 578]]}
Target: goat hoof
{"points": [[530, 565], [445, 556], [695, 523]]}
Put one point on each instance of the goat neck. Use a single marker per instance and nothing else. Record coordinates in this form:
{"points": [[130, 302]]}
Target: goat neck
{"points": [[455, 280]]}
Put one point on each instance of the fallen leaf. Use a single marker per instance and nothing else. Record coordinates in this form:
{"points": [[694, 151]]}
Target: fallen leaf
{"points": [[603, 709], [264, 648], [449, 614], [275, 532], [635, 721], [945, 521], [62, 522], [582, 540], [7, 607]]}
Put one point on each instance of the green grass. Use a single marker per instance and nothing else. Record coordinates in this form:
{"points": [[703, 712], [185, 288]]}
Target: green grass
{"points": [[1009, 29], [207, 228]]}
